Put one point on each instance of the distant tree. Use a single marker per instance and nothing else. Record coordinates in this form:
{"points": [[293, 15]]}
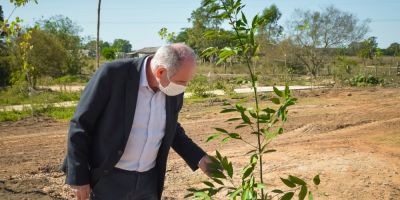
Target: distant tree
{"points": [[104, 44], [67, 32], [2, 34], [368, 49], [353, 48], [91, 47], [121, 45], [1, 14], [108, 53], [48, 55], [270, 30], [5, 66], [316, 33], [205, 17], [9, 31], [393, 50], [204, 20]]}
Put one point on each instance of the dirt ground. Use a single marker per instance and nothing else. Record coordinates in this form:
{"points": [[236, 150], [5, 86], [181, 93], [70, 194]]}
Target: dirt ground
{"points": [[351, 137]]}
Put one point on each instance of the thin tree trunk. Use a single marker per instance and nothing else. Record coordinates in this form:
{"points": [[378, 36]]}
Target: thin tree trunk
{"points": [[98, 35]]}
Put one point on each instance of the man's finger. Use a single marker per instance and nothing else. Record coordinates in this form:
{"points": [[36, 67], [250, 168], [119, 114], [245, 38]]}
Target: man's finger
{"points": [[76, 193], [84, 194]]}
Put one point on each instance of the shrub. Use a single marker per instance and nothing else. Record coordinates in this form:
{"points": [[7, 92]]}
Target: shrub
{"points": [[362, 80]]}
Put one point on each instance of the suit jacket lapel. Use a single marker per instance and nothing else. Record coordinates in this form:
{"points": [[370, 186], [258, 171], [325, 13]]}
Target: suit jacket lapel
{"points": [[131, 94], [169, 105]]}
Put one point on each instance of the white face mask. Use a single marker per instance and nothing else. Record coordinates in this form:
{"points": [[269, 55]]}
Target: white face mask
{"points": [[172, 89]]}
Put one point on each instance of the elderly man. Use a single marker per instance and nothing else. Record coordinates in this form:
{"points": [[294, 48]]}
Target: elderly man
{"points": [[125, 124]]}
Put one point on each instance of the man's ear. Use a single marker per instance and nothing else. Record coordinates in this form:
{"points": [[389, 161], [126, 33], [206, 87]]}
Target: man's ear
{"points": [[160, 71]]}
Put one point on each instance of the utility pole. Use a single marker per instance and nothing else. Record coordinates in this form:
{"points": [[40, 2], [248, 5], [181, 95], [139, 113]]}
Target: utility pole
{"points": [[98, 35]]}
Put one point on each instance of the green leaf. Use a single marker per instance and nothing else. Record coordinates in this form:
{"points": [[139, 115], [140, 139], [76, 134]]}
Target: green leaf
{"points": [[269, 110], [310, 196], [264, 117], [248, 171], [287, 196], [270, 151], [287, 91], [241, 126], [229, 169], [253, 114], [188, 195], [278, 92], [316, 180], [251, 151], [218, 155], [209, 51], [280, 130], [209, 33], [277, 191], [213, 136], [254, 159], [217, 181], [288, 183], [221, 130], [235, 193], [228, 110], [218, 174], [275, 100], [234, 135], [240, 108], [261, 185], [207, 2], [251, 39], [226, 53], [245, 118], [232, 119], [226, 139], [209, 184], [303, 192], [296, 180], [255, 19], [244, 18], [202, 195]]}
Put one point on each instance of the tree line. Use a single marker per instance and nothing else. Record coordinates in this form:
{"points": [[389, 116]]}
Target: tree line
{"points": [[312, 40], [52, 47]]}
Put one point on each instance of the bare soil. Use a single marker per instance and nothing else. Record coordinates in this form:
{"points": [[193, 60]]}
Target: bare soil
{"points": [[351, 137]]}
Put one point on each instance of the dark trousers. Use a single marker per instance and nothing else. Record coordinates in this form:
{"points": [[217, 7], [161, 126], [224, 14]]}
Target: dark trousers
{"points": [[120, 184]]}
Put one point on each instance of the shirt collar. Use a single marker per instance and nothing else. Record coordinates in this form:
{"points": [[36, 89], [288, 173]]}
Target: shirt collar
{"points": [[143, 75]]}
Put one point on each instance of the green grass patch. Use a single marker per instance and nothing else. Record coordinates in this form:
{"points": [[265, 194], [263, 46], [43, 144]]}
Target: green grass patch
{"points": [[10, 97], [38, 111], [14, 115]]}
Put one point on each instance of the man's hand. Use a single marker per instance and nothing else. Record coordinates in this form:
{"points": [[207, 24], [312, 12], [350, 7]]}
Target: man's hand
{"points": [[81, 192], [206, 165]]}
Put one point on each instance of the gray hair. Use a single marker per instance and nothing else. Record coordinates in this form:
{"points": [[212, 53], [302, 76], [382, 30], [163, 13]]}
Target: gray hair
{"points": [[171, 56]]}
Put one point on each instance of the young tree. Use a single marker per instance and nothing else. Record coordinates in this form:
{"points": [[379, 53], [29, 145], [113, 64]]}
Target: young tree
{"points": [[264, 124], [9, 31], [316, 33]]}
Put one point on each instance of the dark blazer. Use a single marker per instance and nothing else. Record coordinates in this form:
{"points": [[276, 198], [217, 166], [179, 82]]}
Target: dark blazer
{"points": [[102, 122]]}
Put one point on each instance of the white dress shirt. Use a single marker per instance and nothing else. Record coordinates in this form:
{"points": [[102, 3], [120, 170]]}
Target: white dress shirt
{"points": [[148, 128]]}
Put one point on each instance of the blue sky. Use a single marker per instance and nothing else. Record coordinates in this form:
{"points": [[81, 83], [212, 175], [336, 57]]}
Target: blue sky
{"points": [[140, 20]]}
